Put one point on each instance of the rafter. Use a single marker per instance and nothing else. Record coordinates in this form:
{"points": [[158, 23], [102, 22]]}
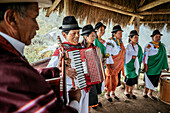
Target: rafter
{"points": [[155, 22], [154, 13], [109, 8], [104, 2], [55, 4], [133, 17], [152, 4]]}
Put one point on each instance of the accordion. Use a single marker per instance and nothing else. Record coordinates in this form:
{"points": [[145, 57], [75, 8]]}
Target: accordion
{"points": [[88, 65]]}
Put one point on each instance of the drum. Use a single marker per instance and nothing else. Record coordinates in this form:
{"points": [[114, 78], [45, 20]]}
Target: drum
{"points": [[164, 93]]}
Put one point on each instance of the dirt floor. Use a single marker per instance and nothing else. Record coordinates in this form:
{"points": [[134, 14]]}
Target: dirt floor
{"points": [[125, 105]]}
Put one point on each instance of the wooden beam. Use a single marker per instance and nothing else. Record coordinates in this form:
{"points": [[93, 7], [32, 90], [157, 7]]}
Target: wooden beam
{"points": [[137, 24], [133, 17], [67, 7], [55, 4], [131, 20], [155, 13], [104, 2], [141, 2], [153, 4], [109, 8], [155, 22]]}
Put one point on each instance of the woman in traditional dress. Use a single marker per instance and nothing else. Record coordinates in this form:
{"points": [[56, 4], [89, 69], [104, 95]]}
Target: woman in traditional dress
{"points": [[115, 62], [133, 61], [89, 35], [155, 59]]}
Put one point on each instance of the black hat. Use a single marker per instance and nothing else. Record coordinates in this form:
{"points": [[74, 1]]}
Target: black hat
{"points": [[99, 24], [116, 28], [69, 23], [132, 33], [155, 32], [87, 29]]}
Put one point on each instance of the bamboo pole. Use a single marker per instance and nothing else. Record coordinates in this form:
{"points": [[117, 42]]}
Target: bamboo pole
{"points": [[155, 22], [131, 20], [55, 4], [67, 7], [133, 17], [153, 4], [113, 5], [155, 13], [109, 8], [137, 24]]}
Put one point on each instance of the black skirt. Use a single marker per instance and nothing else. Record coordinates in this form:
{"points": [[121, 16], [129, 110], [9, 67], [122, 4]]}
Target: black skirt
{"points": [[154, 79], [119, 77], [93, 98], [131, 81]]}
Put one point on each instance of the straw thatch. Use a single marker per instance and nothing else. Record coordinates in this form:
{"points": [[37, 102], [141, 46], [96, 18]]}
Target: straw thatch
{"points": [[95, 14]]}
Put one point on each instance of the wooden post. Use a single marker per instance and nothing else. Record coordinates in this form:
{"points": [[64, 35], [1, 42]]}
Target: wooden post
{"points": [[137, 24], [67, 7]]}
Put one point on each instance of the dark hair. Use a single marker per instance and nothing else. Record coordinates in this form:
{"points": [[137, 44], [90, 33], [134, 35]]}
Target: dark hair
{"points": [[115, 32], [84, 42], [18, 7], [130, 37]]}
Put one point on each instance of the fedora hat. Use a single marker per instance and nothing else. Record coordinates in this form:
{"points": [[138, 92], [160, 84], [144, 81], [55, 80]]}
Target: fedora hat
{"points": [[155, 32], [132, 33], [41, 3], [116, 28], [87, 29], [99, 24], [69, 23]]}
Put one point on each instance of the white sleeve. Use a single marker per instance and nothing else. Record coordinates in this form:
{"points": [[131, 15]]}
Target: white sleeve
{"points": [[109, 60], [109, 50], [53, 62], [74, 104]]}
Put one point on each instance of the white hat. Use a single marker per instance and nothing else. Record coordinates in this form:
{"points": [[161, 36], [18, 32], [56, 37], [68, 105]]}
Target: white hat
{"points": [[41, 3]]}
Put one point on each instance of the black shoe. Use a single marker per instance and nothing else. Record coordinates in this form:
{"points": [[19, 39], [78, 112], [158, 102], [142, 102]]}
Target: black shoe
{"points": [[94, 107], [116, 98], [145, 96], [152, 97], [128, 95], [109, 99], [100, 104], [134, 97]]}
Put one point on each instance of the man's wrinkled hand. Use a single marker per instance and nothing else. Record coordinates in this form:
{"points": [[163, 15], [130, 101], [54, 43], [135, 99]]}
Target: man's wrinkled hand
{"points": [[71, 73], [74, 94]]}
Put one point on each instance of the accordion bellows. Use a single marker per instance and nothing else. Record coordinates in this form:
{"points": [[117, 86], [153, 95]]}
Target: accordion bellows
{"points": [[88, 65]]}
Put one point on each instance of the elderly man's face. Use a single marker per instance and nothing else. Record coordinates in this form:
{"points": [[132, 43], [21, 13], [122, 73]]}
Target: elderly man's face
{"points": [[27, 26]]}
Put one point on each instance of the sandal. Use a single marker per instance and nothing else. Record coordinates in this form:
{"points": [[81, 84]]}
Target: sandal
{"points": [[127, 95], [134, 96], [145, 96], [107, 96], [152, 97], [114, 96], [99, 104]]}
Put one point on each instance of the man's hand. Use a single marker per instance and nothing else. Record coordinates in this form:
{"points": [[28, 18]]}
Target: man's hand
{"points": [[74, 94], [71, 73], [59, 65]]}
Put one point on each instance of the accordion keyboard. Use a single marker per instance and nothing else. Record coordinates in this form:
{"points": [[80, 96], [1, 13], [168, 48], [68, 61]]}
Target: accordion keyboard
{"points": [[76, 63]]}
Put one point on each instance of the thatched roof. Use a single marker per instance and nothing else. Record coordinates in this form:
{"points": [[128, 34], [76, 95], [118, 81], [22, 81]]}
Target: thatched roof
{"points": [[154, 13]]}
